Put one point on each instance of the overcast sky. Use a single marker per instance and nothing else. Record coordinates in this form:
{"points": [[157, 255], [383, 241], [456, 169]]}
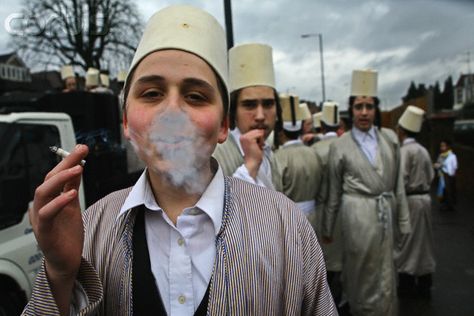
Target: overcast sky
{"points": [[405, 40]]}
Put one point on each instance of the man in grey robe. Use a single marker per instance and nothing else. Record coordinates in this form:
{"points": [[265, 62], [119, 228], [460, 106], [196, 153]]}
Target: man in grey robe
{"points": [[414, 253], [253, 113], [298, 165], [366, 190]]}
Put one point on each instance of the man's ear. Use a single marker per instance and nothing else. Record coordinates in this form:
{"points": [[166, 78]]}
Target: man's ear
{"points": [[126, 132], [224, 130]]}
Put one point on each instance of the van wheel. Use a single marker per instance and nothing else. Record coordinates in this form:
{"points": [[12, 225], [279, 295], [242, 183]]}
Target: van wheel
{"points": [[12, 302]]}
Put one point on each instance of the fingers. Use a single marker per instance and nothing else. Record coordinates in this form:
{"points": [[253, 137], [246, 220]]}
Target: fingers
{"points": [[64, 181], [78, 154]]}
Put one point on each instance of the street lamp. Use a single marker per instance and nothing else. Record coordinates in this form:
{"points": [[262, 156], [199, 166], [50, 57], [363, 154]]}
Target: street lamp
{"points": [[321, 58]]}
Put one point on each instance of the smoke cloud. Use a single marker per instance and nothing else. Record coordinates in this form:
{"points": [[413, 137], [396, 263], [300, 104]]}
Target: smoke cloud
{"points": [[175, 149]]}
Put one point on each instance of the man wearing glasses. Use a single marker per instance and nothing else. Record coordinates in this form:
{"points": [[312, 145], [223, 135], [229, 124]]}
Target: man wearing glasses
{"points": [[253, 113], [366, 188]]}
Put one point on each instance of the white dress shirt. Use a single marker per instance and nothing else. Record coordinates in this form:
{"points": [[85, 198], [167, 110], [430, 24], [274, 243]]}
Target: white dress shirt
{"points": [[367, 142], [182, 256], [264, 175], [450, 164]]}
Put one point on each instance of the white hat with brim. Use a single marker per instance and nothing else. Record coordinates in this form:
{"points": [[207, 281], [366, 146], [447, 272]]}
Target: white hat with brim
{"points": [[92, 77], [104, 80], [251, 65], [317, 119], [412, 119], [306, 111], [364, 83], [291, 112], [330, 113], [189, 29], [67, 71], [121, 76]]}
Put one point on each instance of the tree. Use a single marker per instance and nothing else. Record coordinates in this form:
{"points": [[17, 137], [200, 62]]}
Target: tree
{"points": [[84, 33], [448, 93]]}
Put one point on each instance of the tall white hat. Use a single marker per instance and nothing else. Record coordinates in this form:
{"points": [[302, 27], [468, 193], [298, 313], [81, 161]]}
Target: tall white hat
{"points": [[251, 65], [92, 77], [364, 83], [330, 113], [67, 71], [306, 111], [186, 28], [317, 119], [104, 79], [412, 119], [122, 74], [291, 112]]}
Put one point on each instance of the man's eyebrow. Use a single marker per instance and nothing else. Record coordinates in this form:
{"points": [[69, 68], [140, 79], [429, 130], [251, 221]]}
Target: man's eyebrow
{"points": [[151, 79], [198, 82]]}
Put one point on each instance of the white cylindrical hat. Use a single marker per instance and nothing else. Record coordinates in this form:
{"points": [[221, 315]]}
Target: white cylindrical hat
{"points": [[364, 83], [330, 113], [291, 112], [251, 65], [104, 80], [412, 119], [317, 119], [306, 111], [92, 77], [189, 29], [67, 71], [122, 74]]}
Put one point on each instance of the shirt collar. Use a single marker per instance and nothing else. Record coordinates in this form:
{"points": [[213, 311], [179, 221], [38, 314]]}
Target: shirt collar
{"points": [[408, 140], [363, 135], [292, 142], [211, 201], [329, 135]]}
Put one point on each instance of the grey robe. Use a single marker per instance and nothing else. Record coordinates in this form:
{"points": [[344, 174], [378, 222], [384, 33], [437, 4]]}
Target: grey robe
{"points": [[367, 198], [415, 251], [230, 158], [333, 251], [300, 171], [268, 260]]}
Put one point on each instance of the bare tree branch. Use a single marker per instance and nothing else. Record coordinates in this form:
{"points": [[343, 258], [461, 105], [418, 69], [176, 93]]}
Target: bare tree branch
{"points": [[85, 33]]}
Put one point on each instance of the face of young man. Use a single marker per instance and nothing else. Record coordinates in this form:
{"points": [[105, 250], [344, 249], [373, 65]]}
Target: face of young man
{"points": [[174, 114], [363, 113], [71, 84], [256, 109]]}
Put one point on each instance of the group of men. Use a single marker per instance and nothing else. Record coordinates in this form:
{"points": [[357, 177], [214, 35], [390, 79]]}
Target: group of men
{"points": [[95, 81], [194, 237], [360, 191]]}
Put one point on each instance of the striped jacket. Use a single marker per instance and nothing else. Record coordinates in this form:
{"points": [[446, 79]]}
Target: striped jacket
{"points": [[268, 259]]}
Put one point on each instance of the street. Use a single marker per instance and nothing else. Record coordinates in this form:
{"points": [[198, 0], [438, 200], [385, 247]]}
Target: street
{"points": [[453, 281]]}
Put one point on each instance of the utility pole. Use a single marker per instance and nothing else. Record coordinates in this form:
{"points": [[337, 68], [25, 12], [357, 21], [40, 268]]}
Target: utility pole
{"points": [[320, 36], [228, 23]]}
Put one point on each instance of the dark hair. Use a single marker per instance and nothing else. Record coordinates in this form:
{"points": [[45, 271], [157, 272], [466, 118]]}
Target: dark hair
{"points": [[378, 115], [327, 128], [408, 133], [292, 135], [234, 96], [220, 86], [448, 142]]}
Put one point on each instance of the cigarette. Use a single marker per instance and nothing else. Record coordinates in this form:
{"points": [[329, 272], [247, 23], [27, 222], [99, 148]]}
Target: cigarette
{"points": [[63, 153]]}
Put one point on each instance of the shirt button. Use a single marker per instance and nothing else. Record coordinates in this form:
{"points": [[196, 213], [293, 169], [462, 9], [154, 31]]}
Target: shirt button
{"points": [[181, 299], [180, 241]]}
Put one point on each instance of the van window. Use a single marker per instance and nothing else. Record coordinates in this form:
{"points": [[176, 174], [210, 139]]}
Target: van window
{"points": [[25, 159]]}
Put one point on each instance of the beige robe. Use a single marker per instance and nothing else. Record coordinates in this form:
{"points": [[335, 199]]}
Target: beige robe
{"points": [[333, 251], [230, 158], [367, 199], [268, 261], [414, 253], [300, 171]]}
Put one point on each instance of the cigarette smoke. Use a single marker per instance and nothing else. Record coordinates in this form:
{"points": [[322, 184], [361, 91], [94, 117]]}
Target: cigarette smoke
{"points": [[175, 149]]}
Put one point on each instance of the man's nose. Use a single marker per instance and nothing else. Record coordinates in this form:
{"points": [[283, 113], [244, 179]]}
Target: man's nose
{"points": [[259, 113]]}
